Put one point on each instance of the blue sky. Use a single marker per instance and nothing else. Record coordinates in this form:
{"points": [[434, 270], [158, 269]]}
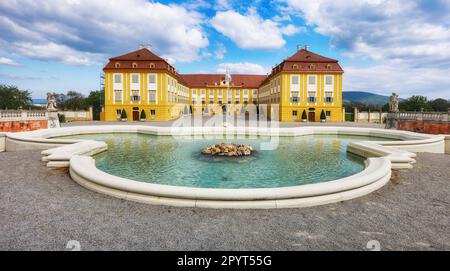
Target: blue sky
{"points": [[384, 46]]}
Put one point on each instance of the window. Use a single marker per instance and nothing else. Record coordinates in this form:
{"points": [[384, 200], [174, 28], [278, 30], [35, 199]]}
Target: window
{"points": [[152, 94], [151, 65], [294, 99], [312, 67], [294, 113], [220, 92], [328, 113], [135, 65], [203, 91], [135, 79], [245, 91], [152, 114], [118, 95], [312, 80], [211, 92], [328, 66], [211, 101], [255, 92], [236, 102], [328, 99], [295, 66], [135, 97], [119, 113], [329, 80], [295, 80], [152, 78], [311, 99], [118, 79], [117, 65], [194, 92]]}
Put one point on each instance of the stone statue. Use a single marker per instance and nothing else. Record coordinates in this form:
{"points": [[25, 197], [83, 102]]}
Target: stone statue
{"points": [[393, 104], [51, 102]]}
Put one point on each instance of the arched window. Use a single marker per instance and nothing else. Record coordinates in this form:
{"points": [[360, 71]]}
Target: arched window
{"points": [[295, 66], [134, 65], [312, 66], [152, 65], [117, 65], [328, 66]]}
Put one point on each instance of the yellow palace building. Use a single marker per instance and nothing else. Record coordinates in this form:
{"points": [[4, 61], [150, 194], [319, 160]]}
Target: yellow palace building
{"points": [[142, 81]]}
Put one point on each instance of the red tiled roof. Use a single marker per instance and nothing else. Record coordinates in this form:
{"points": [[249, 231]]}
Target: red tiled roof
{"points": [[303, 55], [141, 54], [242, 80]]}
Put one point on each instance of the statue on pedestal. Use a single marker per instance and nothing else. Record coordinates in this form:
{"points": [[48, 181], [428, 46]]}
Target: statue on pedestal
{"points": [[393, 103], [53, 120]]}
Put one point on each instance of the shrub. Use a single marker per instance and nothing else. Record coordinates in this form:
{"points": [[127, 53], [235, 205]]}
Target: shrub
{"points": [[123, 115], [61, 118], [304, 115], [143, 115], [322, 115]]}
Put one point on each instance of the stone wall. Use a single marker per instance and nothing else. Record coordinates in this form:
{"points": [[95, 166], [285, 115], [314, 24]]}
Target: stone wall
{"points": [[22, 125], [424, 126]]}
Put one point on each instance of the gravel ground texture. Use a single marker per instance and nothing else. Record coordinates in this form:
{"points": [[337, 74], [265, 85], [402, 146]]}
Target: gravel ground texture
{"points": [[43, 209]]}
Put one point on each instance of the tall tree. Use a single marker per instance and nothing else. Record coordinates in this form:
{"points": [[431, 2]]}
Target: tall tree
{"points": [[440, 105], [13, 98], [415, 103]]}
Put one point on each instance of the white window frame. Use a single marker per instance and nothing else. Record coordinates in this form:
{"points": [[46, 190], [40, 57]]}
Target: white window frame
{"points": [[311, 87], [295, 87]]}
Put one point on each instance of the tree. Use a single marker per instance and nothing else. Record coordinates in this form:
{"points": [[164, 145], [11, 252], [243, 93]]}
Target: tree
{"points": [[322, 115], [415, 103], [123, 115], [143, 115], [96, 100], [304, 115], [13, 98], [74, 101], [439, 105]]}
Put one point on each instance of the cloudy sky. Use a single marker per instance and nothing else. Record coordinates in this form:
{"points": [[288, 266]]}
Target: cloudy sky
{"points": [[384, 46]]}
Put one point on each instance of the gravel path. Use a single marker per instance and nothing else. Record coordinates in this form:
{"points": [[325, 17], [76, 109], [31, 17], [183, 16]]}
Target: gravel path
{"points": [[42, 209]]}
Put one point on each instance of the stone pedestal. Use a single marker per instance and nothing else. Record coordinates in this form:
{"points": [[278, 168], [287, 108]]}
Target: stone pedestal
{"points": [[53, 120]]}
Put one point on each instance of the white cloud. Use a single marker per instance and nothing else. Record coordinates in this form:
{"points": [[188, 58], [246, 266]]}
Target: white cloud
{"points": [[415, 32], [92, 28], [242, 68], [250, 31], [406, 43], [219, 53], [8, 61], [223, 5], [52, 51], [406, 81]]}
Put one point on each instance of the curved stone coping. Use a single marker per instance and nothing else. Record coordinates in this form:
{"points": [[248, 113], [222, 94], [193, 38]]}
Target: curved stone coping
{"points": [[47, 135], [376, 174], [84, 167]]}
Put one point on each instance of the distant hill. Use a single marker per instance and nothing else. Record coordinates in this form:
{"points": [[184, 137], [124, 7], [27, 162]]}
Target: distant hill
{"points": [[364, 97]]}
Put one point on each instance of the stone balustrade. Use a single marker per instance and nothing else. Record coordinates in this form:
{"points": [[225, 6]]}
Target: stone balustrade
{"points": [[19, 115]]}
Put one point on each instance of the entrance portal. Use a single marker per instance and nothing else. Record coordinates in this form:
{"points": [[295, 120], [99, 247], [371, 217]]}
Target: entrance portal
{"points": [[312, 116], [135, 113]]}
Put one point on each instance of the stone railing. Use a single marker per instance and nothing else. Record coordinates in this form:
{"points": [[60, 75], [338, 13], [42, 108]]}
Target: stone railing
{"points": [[422, 122], [429, 116], [19, 115]]}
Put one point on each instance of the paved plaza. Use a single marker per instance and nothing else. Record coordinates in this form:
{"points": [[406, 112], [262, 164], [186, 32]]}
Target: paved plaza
{"points": [[43, 209]]}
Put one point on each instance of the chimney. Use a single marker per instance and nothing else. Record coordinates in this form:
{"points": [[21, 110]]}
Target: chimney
{"points": [[299, 47], [306, 47]]}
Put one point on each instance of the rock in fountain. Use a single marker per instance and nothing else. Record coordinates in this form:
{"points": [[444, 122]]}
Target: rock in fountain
{"points": [[224, 149]]}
